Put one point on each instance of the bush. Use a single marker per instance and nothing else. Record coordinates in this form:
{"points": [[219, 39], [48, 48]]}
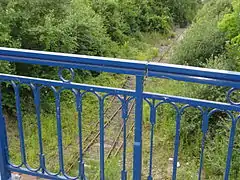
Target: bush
{"points": [[183, 11], [218, 127], [155, 17], [99, 28], [213, 9], [230, 25], [123, 18], [201, 41], [50, 26], [112, 18], [212, 42]]}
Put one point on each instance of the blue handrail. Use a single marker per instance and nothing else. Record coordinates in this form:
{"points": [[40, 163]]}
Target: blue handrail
{"points": [[116, 65]]}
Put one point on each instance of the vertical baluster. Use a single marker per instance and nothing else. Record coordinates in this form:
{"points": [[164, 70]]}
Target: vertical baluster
{"points": [[4, 172], [19, 119], [101, 116], [137, 157], [6, 138], [59, 129], [124, 117], [36, 93], [230, 149], [79, 110], [176, 146], [204, 131], [152, 121]]}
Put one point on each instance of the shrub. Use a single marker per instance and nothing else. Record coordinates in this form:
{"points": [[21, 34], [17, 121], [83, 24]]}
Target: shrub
{"points": [[212, 42], [123, 18], [213, 9], [201, 41], [183, 11], [155, 17], [230, 25], [112, 18]]}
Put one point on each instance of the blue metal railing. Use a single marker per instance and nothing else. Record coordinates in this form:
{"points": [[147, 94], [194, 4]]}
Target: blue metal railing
{"points": [[140, 70]]}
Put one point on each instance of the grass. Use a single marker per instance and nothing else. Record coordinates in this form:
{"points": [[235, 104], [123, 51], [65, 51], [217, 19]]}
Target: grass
{"points": [[164, 129], [69, 122], [157, 39], [190, 136], [69, 119]]}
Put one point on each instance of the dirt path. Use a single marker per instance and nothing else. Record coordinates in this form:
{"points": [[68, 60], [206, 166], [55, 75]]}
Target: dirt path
{"points": [[165, 49]]}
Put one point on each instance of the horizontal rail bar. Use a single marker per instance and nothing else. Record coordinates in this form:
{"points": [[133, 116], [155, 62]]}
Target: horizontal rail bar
{"points": [[192, 101], [73, 61], [194, 71], [150, 95], [48, 82], [39, 174], [178, 72], [196, 79]]}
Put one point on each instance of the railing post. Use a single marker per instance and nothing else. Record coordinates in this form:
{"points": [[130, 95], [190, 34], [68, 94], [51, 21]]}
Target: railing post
{"points": [[4, 172], [137, 156]]}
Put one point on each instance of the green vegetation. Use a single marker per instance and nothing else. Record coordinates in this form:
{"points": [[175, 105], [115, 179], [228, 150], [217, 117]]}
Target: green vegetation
{"points": [[124, 29], [112, 28], [203, 39], [212, 41]]}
